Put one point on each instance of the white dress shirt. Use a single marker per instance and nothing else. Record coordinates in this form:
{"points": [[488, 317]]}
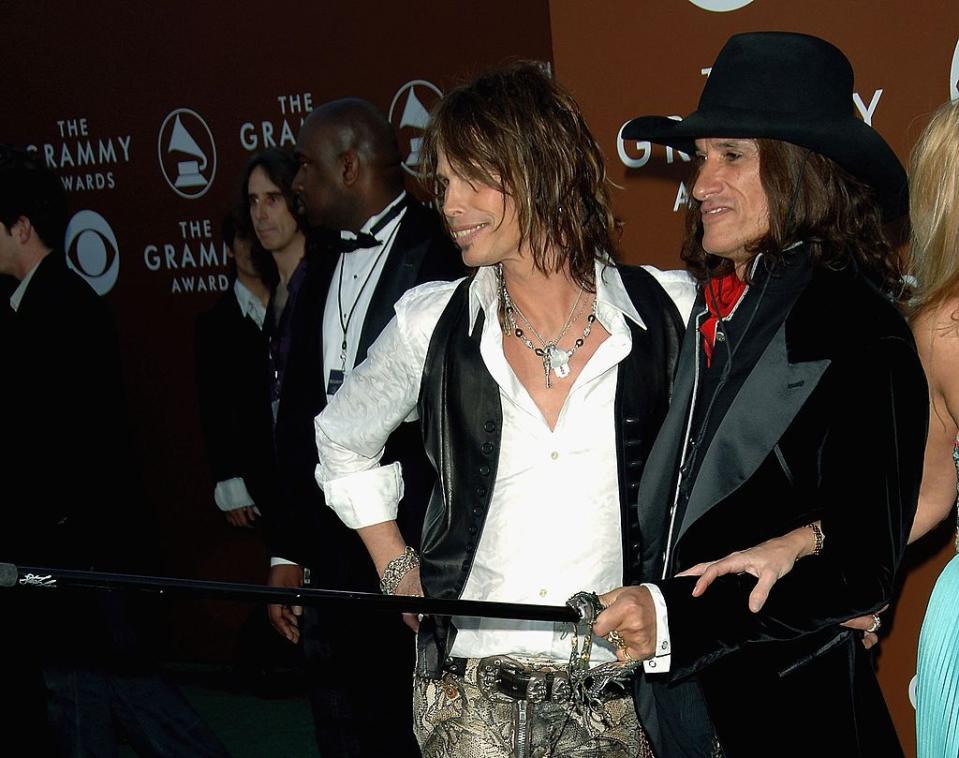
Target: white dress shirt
{"points": [[351, 289], [554, 525], [16, 297], [250, 304]]}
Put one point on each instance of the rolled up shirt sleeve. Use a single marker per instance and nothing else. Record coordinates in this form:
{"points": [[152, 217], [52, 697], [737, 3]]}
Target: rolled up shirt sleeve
{"points": [[366, 497], [376, 397]]}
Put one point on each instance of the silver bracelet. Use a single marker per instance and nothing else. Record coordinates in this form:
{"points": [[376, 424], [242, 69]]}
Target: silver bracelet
{"points": [[818, 534], [396, 569]]}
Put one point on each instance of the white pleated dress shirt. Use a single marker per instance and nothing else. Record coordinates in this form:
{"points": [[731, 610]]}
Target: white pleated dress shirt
{"points": [[554, 525], [351, 291]]}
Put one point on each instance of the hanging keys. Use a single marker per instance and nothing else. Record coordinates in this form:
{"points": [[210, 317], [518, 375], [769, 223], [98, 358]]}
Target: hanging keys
{"points": [[559, 360]]}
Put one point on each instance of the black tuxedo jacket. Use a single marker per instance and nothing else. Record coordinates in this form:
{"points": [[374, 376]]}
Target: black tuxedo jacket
{"points": [[829, 423], [304, 528], [234, 391]]}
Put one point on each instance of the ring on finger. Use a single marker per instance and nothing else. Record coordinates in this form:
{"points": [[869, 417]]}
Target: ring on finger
{"points": [[876, 623], [617, 639]]}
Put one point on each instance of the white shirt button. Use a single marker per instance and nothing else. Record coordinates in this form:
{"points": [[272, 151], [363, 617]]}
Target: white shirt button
{"points": [[554, 455], [543, 593]]}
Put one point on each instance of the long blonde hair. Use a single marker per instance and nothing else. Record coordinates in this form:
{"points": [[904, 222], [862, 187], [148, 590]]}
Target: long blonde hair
{"points": [[934, 210]]}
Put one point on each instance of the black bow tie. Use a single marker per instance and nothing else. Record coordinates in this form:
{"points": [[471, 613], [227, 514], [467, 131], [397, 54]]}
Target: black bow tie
{"points": [[366, 240], [362, 241]]}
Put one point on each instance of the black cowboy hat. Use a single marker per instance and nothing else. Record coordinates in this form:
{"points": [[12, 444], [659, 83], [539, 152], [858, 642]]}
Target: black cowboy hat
{"points": [[790, 87]]}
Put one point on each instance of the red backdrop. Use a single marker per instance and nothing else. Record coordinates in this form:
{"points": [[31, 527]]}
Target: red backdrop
{"points": [[101, 90]]}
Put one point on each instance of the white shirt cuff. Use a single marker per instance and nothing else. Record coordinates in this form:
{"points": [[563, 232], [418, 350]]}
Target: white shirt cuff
{"points": [[277, 561], [231, 494], [366, 497], [661, 660]]}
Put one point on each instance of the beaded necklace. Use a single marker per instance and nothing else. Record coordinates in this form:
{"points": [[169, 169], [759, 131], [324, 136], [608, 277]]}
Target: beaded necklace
{"points": [[555, 359]]}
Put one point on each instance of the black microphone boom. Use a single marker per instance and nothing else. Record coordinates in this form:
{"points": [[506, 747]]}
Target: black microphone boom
{"points": [[47, 578]]}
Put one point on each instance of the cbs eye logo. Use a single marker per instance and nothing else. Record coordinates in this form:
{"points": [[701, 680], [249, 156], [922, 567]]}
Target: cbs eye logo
{"points": [[92, 250]]}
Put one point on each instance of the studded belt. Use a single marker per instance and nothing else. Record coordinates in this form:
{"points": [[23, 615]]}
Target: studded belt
{"points": [[506, 680]]}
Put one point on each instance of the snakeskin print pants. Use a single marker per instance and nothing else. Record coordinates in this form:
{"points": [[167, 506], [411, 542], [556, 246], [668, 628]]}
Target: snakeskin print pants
{"points": [[455, 718]]}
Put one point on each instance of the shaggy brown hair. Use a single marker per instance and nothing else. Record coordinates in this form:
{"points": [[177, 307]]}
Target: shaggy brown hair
{"points": [[515, 129], [836, 214]]}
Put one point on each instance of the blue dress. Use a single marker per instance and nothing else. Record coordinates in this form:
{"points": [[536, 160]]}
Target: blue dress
{"points": [[937, 685]]}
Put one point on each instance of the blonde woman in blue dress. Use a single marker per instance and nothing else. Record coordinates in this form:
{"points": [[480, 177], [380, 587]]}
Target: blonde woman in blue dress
{"points": [[934, 212]]}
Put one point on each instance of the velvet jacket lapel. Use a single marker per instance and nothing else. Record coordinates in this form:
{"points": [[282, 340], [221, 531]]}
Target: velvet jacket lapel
{"points": [[774, 391], [777, 387]]}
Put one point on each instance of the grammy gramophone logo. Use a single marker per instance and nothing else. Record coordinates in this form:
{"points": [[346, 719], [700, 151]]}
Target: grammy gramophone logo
{"points": [[409, 115], [187, 153]]}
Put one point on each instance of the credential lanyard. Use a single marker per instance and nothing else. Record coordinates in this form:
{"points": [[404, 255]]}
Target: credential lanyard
{"points": [[345, 325]]}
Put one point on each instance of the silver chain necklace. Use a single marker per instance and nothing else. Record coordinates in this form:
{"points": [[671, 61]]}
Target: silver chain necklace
{"points": [[554, 358]]}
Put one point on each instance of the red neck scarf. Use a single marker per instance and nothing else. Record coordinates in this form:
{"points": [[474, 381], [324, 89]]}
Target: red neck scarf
{"points": [[722, 295]]}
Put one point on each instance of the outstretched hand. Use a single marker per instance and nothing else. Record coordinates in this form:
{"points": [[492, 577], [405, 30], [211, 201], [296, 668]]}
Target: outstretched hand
{"points": [[768, 561]]}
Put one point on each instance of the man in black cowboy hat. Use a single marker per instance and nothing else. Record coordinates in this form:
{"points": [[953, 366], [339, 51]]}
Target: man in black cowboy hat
{"points": [[799, 404]]}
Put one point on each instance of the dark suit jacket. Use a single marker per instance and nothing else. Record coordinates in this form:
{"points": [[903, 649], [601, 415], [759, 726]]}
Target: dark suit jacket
{"points": [[829, 423], [71, 495], [67, 435], [233, 389], [305, 529]]}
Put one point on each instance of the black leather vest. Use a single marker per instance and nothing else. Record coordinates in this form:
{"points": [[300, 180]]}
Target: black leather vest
{"points": [[461, 419]]}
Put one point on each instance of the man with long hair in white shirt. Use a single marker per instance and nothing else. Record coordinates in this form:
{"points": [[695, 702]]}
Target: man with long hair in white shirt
{"points": [[540, 382]]}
